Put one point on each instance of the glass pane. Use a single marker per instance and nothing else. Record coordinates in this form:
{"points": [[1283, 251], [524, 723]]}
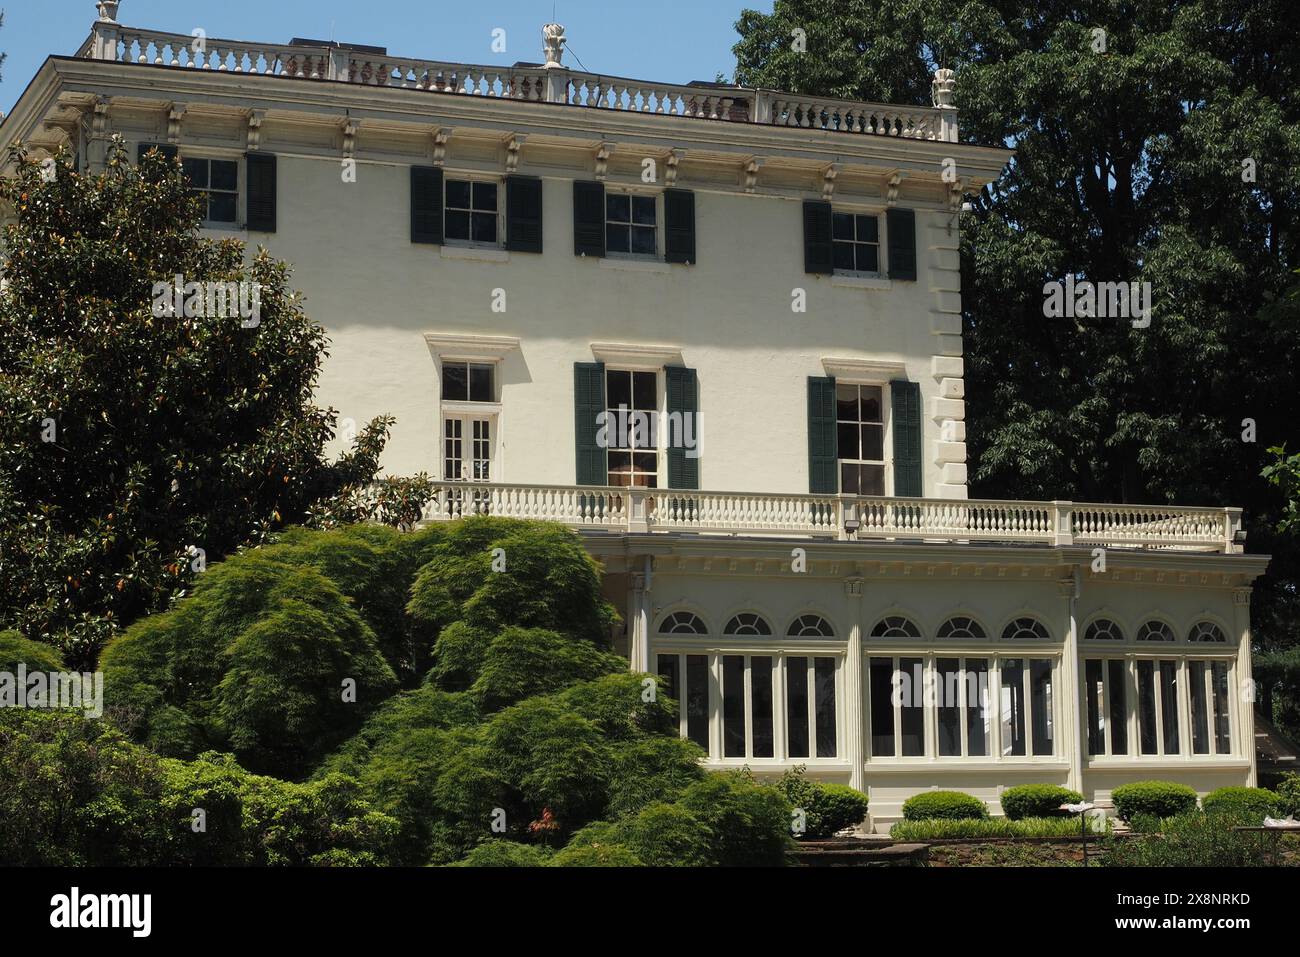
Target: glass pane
{"points": [[644, 462], [871, 403], [668, 672], [643, 390], [643, 240], [697, 699], [456, 225], [222, 208], [485, 196], [873, 442], [618, 388], [949, 677], [848, 478], [912, 718], [1222, 731], [618, 207], [1013, 706], [1040, 693], [1146, 691], [824, 705], [1093, 691], [1169, 704], [1117, 707], [484, 228], [733, 706], [796, 705], [867, 228], [1200, 724], [843, 256], [617, 239], [868, 258], [871, 480], [458, 191], [196, 172], [846, 438], [760, 678], [846, 402], [881, 684], [842, 226], [480, 383], [978, 725], [643, 210], [225, 175], [455, 381]]}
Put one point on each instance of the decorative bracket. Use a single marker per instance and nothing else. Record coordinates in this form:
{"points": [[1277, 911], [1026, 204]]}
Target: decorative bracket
{"points": [[828, 181], [255, 118], [602, 159], [514, 146], [670, 167], [175, 113], [752, 166], [895, 178], [350, 127], [440, 137]]}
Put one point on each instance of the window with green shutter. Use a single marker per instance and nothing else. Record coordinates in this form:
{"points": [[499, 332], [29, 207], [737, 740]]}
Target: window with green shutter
{"points": [[588, 219], [588, 405], [679, 226], [905, 399], [817, 248], [261, 192], [683, 403], [822, 478], [524, 214], [426, 205], [900, 224]]}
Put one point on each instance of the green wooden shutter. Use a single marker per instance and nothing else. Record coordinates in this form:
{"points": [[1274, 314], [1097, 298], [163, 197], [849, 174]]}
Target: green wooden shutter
{"points": [[426, 205], [817, 251], [261, 192], [524, 214], [901, 224], [683, 391], [823, 466], [588, 404], [905, 410], [679, 226], [588, 218]]}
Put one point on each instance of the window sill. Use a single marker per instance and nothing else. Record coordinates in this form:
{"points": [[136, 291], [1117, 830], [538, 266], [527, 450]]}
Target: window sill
{"points": [[911, 765], [861, 282], [483, 254], [1151, 763], [635, 265], [461, 407]]}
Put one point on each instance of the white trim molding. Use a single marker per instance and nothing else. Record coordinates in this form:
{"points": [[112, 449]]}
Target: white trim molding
{"points": [[873, 370], [639, 354], [449, 345]]}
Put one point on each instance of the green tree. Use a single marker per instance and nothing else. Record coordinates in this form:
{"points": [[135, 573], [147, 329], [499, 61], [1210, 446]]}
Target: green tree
{"points": [[135, 444]]}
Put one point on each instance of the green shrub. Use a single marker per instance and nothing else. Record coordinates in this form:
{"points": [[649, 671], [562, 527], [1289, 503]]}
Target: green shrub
{"points": [[1159, 798], [1038, 800], [827, 808], [604, 855], [499, 853], [36, 655], [1193, 839], [943, 805], [523, 662], [939, 828], [750, 822], [1288, 794], [668, 835], [1252, 803]]}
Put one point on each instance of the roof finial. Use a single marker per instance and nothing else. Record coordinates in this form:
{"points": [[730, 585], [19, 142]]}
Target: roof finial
{"points": [[107, 10], [553, 41]]}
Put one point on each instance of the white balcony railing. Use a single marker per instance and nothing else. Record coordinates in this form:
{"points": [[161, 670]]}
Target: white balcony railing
{"points": [[848, 517], [114, 42]]}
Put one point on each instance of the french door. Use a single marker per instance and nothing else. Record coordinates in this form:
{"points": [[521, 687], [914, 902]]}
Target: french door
{"points": [[466, 457]]}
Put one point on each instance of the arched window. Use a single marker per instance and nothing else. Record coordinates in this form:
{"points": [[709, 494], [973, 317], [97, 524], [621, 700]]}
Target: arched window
{"points": [[895, 626], [682, 623], [1155, 631], [961, 628], [747, 623], [810, 626], [1103, 629], [1206, 631], [1022, 629]]}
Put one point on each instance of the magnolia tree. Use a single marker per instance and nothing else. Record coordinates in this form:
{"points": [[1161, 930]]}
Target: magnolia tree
{"points": [[155, 402]]}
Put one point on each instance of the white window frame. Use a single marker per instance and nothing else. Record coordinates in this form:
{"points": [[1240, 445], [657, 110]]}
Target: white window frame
{"points": [[886, 431], [241, 187], [878, 213], [657, 196], [658, 420], [465, 176]]}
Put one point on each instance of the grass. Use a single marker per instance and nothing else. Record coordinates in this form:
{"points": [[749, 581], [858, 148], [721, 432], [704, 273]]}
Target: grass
{"points": [[995, 827]]}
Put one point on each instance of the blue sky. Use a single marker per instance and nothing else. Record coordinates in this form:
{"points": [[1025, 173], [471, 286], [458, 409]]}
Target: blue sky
{"points": [[669, 40]]}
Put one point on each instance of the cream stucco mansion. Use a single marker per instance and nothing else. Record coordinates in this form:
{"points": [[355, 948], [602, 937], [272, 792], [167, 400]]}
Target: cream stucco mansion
{"points": [[518, 261]]}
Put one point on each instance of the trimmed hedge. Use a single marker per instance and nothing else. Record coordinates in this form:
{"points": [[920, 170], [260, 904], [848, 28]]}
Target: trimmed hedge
{"points": [[944, 806], [36, 655], [1288, 794], [939, 829], [827, 808], [1157, 798], [1038, 800], [1255, 803]]}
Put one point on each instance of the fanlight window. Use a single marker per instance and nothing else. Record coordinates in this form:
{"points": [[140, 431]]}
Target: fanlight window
{"points": [[682, 623], [961, 628], [1155, 631], [895, 626], [1206, 631], [747, 623], [1025, 629], [810, 626], [1103, 629]]}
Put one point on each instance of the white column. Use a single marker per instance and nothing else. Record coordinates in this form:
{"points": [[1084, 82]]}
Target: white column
{"points": [[1072, 724], [853, 711], [639, 625], [1245, 680]]}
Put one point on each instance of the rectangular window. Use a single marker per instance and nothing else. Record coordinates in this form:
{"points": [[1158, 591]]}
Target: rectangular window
{"points": [[796, 705], [216, 182], [1013, 707], [976, 688], [632, 400], [1222, 729], [697, 699], [630, 224], [468, 382], [1094, 688], [948, 678], [470, 212], [1169, 706], [856, 241], [860, 438], [912, 707], [824, 706], [881, 687], [1117, 691], [1041, 707], [1147, 710], [760, 688], [733, 706]]}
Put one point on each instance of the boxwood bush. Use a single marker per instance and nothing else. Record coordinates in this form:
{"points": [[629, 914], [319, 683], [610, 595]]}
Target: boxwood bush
{"points": [[1288, 794], [827, 808], [944, 805], [1038, 800], [1157, 798], [1253, 803]]}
